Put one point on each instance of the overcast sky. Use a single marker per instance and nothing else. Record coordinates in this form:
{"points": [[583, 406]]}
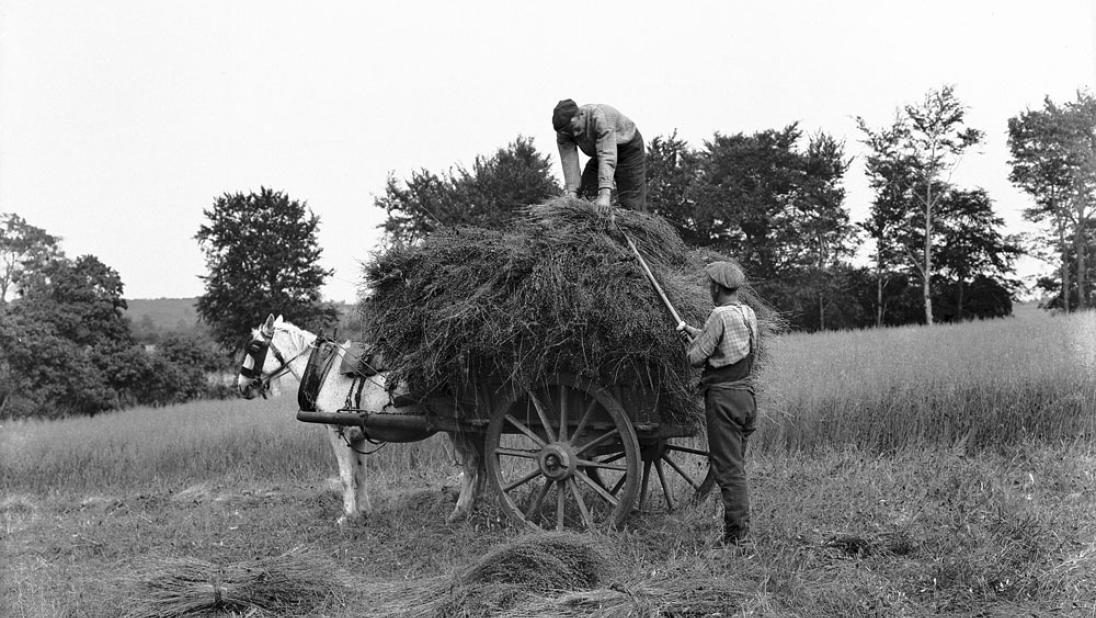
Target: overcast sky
{"points": [[121, 121]]}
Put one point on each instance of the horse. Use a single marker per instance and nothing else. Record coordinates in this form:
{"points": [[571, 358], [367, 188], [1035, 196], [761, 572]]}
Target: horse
{"points": [[278, 348]]}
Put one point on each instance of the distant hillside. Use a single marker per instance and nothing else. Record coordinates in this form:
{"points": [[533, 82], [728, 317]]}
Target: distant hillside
{"points": [[179, 314], [164, 313]]}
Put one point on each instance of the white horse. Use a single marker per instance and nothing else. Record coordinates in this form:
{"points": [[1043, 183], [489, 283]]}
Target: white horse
{"points": [[278, 348]]}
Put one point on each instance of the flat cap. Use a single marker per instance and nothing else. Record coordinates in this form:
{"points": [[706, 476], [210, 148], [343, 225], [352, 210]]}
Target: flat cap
{"points": [[562, 114], [726, 274]]}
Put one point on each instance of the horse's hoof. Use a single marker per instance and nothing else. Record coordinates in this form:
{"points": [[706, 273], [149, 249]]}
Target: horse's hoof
{"points": [[457, 515], [345, 521]]}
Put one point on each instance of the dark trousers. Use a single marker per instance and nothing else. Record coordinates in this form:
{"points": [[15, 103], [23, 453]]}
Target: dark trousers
{"points": [[731, 414], [630, 176]]}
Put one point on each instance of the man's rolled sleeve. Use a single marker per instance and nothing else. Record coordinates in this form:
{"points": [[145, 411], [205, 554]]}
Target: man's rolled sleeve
{"points": [[704, 344], [568, 157], [606, 149]]}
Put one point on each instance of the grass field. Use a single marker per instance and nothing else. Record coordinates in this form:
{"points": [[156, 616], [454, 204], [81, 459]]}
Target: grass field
{"points": [[908, 471]]}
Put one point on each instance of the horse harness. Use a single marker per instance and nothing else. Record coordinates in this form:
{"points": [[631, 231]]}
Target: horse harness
{"points": [[360, 362]]}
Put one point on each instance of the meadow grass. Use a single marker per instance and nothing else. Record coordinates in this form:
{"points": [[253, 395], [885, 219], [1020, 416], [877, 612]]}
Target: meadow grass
{"points": [[154, 449], [987, 384]]}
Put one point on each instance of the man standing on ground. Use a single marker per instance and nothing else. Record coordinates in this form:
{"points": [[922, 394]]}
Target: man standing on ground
{"points": [[725, 348], [616, 152]]}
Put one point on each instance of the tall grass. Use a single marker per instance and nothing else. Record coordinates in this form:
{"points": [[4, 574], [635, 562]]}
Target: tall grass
{"points": [[229, 442], [984, 384]]}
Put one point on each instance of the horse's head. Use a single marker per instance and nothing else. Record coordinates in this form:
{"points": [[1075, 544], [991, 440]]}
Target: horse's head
{"points": [[274, 345]]}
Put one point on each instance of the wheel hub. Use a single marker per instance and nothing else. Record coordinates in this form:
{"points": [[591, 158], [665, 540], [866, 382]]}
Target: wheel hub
{"points": [[556, 461]]}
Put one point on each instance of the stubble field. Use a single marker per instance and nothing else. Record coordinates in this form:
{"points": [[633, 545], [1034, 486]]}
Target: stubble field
{"points": [[912, 471]]}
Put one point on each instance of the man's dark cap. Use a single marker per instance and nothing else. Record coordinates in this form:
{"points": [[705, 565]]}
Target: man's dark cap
{"points": [[562, 114]]}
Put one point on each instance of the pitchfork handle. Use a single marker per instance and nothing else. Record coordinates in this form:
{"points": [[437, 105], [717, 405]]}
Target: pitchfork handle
{"points": [[654, 282]]}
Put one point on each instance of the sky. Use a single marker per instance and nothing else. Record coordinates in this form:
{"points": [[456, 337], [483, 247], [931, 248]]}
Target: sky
{"points": [[121, 121]]}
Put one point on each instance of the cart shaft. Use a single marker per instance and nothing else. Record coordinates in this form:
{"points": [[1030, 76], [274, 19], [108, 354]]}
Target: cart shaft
{"points": [[383, 427]]}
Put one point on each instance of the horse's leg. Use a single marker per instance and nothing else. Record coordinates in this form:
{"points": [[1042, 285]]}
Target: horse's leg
{"points": [[361, 489], [469, 448], [351, 477]]}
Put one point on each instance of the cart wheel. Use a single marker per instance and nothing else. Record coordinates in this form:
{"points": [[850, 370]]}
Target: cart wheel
{"points": [[564, 455], [681, 472]]}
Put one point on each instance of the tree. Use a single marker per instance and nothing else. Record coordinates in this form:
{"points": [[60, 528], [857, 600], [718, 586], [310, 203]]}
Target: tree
{"points": [[1057, 295], [487, 195], [778, 207], [1082, 149], [1054, 160], [972, 248], [823, 222], [765, 199], [24, 248], [889, 175], [179, 366], [64, 339], [672, 179], [262, 256], [928, 139], [65, 343]]}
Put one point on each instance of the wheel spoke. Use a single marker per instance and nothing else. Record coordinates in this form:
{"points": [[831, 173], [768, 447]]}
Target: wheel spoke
{"points": [[685, 449], [516, 452], [586, 414], [523, 480], [619, 484], [562, 413], [643, 484], [615, 457], [598, 488], [665, 487], [525, 430], [612, 432], [591, 463], [534, 508], [543, 414], [587, 518], [677, 468], [561, 500]]}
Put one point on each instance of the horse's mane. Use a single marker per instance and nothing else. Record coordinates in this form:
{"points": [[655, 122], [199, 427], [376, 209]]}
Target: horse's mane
{"points": [[295, 331]]}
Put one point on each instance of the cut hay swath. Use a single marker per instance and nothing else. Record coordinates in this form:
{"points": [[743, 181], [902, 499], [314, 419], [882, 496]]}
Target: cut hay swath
{"points": [[525, 570], [557, 292], [295, 583]]}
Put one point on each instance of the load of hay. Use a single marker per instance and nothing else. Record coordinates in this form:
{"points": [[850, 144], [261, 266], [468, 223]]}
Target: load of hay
{"points": [[558, 291]]}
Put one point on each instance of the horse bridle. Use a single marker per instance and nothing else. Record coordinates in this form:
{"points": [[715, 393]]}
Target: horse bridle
{"points": [[257, 350]]}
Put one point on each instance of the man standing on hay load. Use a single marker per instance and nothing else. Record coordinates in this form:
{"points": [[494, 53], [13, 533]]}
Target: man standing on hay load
{"points": [[725, 348], [616, 151]]}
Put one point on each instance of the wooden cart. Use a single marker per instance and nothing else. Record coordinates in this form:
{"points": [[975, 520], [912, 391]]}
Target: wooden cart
{"points": [[567, 453]]}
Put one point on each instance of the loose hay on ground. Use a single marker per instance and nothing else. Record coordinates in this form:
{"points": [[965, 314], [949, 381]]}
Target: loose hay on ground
{"points": [[542, 562], [524, 570], [294, 583], [559, 291], [672, 597]]}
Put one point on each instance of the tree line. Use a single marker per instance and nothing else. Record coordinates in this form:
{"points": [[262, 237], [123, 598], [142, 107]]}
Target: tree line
{"points": [[65, 344], [773, 198]]}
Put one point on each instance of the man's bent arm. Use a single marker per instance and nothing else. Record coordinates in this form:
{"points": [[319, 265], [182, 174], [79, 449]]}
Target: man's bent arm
{"points": [[606, 150], [704, 344], [568, 157]]}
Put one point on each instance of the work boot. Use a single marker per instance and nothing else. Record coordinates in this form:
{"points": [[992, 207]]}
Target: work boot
{"points": [[733, 535]]}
